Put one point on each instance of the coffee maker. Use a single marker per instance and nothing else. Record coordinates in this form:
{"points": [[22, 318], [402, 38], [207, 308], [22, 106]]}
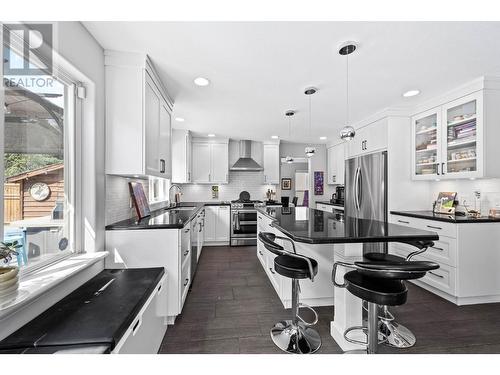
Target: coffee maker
{"points": [[338, 196]]}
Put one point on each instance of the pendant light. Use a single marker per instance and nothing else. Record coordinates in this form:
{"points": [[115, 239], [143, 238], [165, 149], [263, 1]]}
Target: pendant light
{"points": [[347, 132], [309, 150], [290, 113]]}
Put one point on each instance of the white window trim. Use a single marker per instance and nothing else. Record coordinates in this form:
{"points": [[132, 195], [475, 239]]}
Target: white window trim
{"points": [[72, 77]]}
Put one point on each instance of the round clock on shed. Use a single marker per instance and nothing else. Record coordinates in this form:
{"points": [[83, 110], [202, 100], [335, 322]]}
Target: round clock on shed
{"points": [[40, 191]]}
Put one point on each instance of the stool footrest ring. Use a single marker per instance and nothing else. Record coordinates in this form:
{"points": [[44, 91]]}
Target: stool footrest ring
{"points": [[313, 311], [365, 331]]}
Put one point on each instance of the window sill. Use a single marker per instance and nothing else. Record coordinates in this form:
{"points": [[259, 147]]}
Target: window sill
{"points": [[34, 284]]}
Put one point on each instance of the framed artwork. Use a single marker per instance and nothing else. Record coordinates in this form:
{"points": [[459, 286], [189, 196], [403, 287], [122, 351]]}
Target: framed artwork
{"points": [[286, 184], [445, 203], [318, 183], [139, 198]]}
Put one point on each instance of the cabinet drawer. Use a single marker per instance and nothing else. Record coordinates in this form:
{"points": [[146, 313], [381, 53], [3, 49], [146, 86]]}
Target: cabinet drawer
{"points": [[185, 256], [444, 251], [272, 274], [440, 227], [185, 281], [260, 253], [443, 279]]}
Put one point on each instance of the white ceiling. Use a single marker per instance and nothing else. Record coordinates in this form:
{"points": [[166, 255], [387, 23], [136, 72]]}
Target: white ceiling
{"points": [[260, 69]]}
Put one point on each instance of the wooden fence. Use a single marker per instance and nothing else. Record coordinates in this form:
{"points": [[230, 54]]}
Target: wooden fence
{"points": [[12, 202]]}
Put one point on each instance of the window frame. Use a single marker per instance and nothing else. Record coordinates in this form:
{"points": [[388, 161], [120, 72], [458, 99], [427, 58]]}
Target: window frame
{"points": [[64, 72]]}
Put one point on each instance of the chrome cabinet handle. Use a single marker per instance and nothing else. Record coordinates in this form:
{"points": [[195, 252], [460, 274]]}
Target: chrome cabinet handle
{"points": [[186, 282], [187, 230], [442, 169], [259, 217], [270, 269], [186, 252], [209, 177], [437, 169], [334, 178], [260, 252], [435, 274], [404, 222], [189, 176], [162, 165], [437, 248], [265, 178], [432, 227], [199, 229]]}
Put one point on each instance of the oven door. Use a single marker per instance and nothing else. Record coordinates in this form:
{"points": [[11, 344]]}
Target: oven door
{"points": [[244, 227]]}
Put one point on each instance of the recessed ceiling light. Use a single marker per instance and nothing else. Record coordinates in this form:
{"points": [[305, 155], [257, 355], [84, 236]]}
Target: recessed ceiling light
{"points": [[322, 138], [201, 81], [211, 135], [411, 93], [179, 119], [274, 137]]}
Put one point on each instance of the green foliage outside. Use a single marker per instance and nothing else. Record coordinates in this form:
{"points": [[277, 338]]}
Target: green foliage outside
{"points": [[20, 163]]}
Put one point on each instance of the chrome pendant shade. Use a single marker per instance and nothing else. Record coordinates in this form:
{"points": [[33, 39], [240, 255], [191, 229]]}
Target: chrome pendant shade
{"points": [[347, 132]]}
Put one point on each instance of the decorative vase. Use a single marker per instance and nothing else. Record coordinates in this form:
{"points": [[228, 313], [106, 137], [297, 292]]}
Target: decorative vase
{"points": [[9, 280]]}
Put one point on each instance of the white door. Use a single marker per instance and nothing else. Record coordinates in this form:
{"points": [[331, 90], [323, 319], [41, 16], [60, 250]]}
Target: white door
{"points": [[164, 142], [201, 162], [220, 163], [271, 164], [223, 224], [211, 214], [152, 129]]}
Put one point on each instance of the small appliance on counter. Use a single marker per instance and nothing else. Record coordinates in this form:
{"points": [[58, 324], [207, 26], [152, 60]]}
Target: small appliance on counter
{"points": [[339, 196]]}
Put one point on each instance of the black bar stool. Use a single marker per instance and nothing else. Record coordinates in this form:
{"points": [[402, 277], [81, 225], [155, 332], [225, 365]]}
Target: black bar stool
{"points": [[397, 335], [295, 335], [379, 283]]}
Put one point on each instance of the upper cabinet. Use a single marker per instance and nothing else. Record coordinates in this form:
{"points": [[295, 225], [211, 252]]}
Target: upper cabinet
{"points": [[458, 139], [368, 139], [138, 117], [210, 161], [271, 161], [181, 156], [336, 164]]}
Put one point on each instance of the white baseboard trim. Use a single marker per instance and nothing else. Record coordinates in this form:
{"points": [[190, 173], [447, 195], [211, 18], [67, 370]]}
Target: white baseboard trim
{"points": [[342, 342]]}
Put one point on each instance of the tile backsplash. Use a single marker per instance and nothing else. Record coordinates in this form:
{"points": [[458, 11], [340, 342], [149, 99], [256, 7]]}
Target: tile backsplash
{"points": [[238, 181]]}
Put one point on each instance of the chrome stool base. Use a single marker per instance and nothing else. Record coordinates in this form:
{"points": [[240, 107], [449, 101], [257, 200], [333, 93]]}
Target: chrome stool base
{"points": [[296, 339], [397, 335]]}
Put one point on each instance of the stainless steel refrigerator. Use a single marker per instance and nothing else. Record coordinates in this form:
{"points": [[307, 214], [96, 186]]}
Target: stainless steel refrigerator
{"points": [[366, 191]]}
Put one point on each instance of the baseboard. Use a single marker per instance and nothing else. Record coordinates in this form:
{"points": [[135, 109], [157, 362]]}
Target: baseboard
{"points": [[342, 342], [313, 302], [215, 243]]}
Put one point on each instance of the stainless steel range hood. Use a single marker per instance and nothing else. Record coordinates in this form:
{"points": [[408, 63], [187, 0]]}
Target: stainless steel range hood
{"points": [[245, 162]]}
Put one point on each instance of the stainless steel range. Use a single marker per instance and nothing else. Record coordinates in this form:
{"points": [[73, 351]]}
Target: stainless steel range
{"points": [[244, 220]]}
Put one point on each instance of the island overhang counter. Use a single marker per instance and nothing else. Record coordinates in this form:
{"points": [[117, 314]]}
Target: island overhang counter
{"points": [[329, 238]]}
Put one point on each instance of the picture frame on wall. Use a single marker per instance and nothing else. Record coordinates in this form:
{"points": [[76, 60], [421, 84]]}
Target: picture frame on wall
{"points": [[319, 180], [139, 199], [286, 184]]}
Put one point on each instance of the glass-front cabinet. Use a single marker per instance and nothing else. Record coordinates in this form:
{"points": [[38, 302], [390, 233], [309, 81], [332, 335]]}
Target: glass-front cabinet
{"points": [[447, 140]]}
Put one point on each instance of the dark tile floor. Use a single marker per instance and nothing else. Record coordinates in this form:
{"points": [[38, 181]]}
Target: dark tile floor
{"points": [[232, 307]]}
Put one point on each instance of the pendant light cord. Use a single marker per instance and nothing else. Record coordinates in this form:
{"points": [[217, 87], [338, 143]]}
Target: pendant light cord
{"points": [[347, 90], [310, 126]]}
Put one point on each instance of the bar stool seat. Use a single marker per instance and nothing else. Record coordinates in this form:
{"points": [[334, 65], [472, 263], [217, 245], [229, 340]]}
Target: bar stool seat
{"points": [[294, 268], [376, 290]]}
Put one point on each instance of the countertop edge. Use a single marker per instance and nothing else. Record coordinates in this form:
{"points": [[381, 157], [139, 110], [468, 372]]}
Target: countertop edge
{"points": [[462, 220]]}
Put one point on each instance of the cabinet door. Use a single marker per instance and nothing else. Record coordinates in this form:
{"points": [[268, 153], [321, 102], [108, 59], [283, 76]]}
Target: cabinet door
{"points": [[271, 164], [462, 138], [201, 162], [340, 162], [181, 156], [165, 141], [211, 214], [220, 163], [426, 142], [152, 129], [331, 165], [223, 223]]}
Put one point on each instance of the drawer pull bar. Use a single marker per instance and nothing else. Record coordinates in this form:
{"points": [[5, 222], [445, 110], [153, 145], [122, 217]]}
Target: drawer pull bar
{"points": [[270, 269], [437, 248], [404, 222], [432, 227], [260, 252], [186, 253], [435, 274], [186, 282]]}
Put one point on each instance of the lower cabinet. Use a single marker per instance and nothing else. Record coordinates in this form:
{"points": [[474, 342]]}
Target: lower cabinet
{"points": [[316, 293], [467, 255], [217, 225], [168, 248]]}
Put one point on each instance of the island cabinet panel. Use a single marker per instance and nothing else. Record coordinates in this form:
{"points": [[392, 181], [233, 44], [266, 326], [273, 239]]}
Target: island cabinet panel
{"points": [[467, 255], [317, 293], [168, 248], [217, 225]]}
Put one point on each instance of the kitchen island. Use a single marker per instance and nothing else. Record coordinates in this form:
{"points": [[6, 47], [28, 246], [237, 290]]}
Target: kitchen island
{"points": [[328, 238]]}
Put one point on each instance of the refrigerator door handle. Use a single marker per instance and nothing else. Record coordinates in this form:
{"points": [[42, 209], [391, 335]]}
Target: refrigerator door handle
{"points": [[356, 188], [360, 188]]}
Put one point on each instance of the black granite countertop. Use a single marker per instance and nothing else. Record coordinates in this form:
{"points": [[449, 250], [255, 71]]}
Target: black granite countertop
{"points": [[166, 218], [315, 226], [429, 215], [330, 203]]}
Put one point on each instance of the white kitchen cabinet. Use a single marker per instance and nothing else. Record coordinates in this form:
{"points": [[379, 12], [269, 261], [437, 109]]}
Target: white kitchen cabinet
{"points": [[271, 161], [217, 225], [181, 156], [368, 139], [467, 256], [168, 248], [457, 138], [210, 161], [336, 164], [138, 117]]}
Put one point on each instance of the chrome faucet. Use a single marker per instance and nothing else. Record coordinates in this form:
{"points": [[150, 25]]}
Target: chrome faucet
{"points": [[169, 190]]}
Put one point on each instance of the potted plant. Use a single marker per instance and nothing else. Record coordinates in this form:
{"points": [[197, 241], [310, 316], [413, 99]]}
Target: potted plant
{"points": [[8, 273]]}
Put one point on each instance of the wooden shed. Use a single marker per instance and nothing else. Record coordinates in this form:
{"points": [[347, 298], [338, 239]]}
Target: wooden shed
{"points": [[21, 204]]}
